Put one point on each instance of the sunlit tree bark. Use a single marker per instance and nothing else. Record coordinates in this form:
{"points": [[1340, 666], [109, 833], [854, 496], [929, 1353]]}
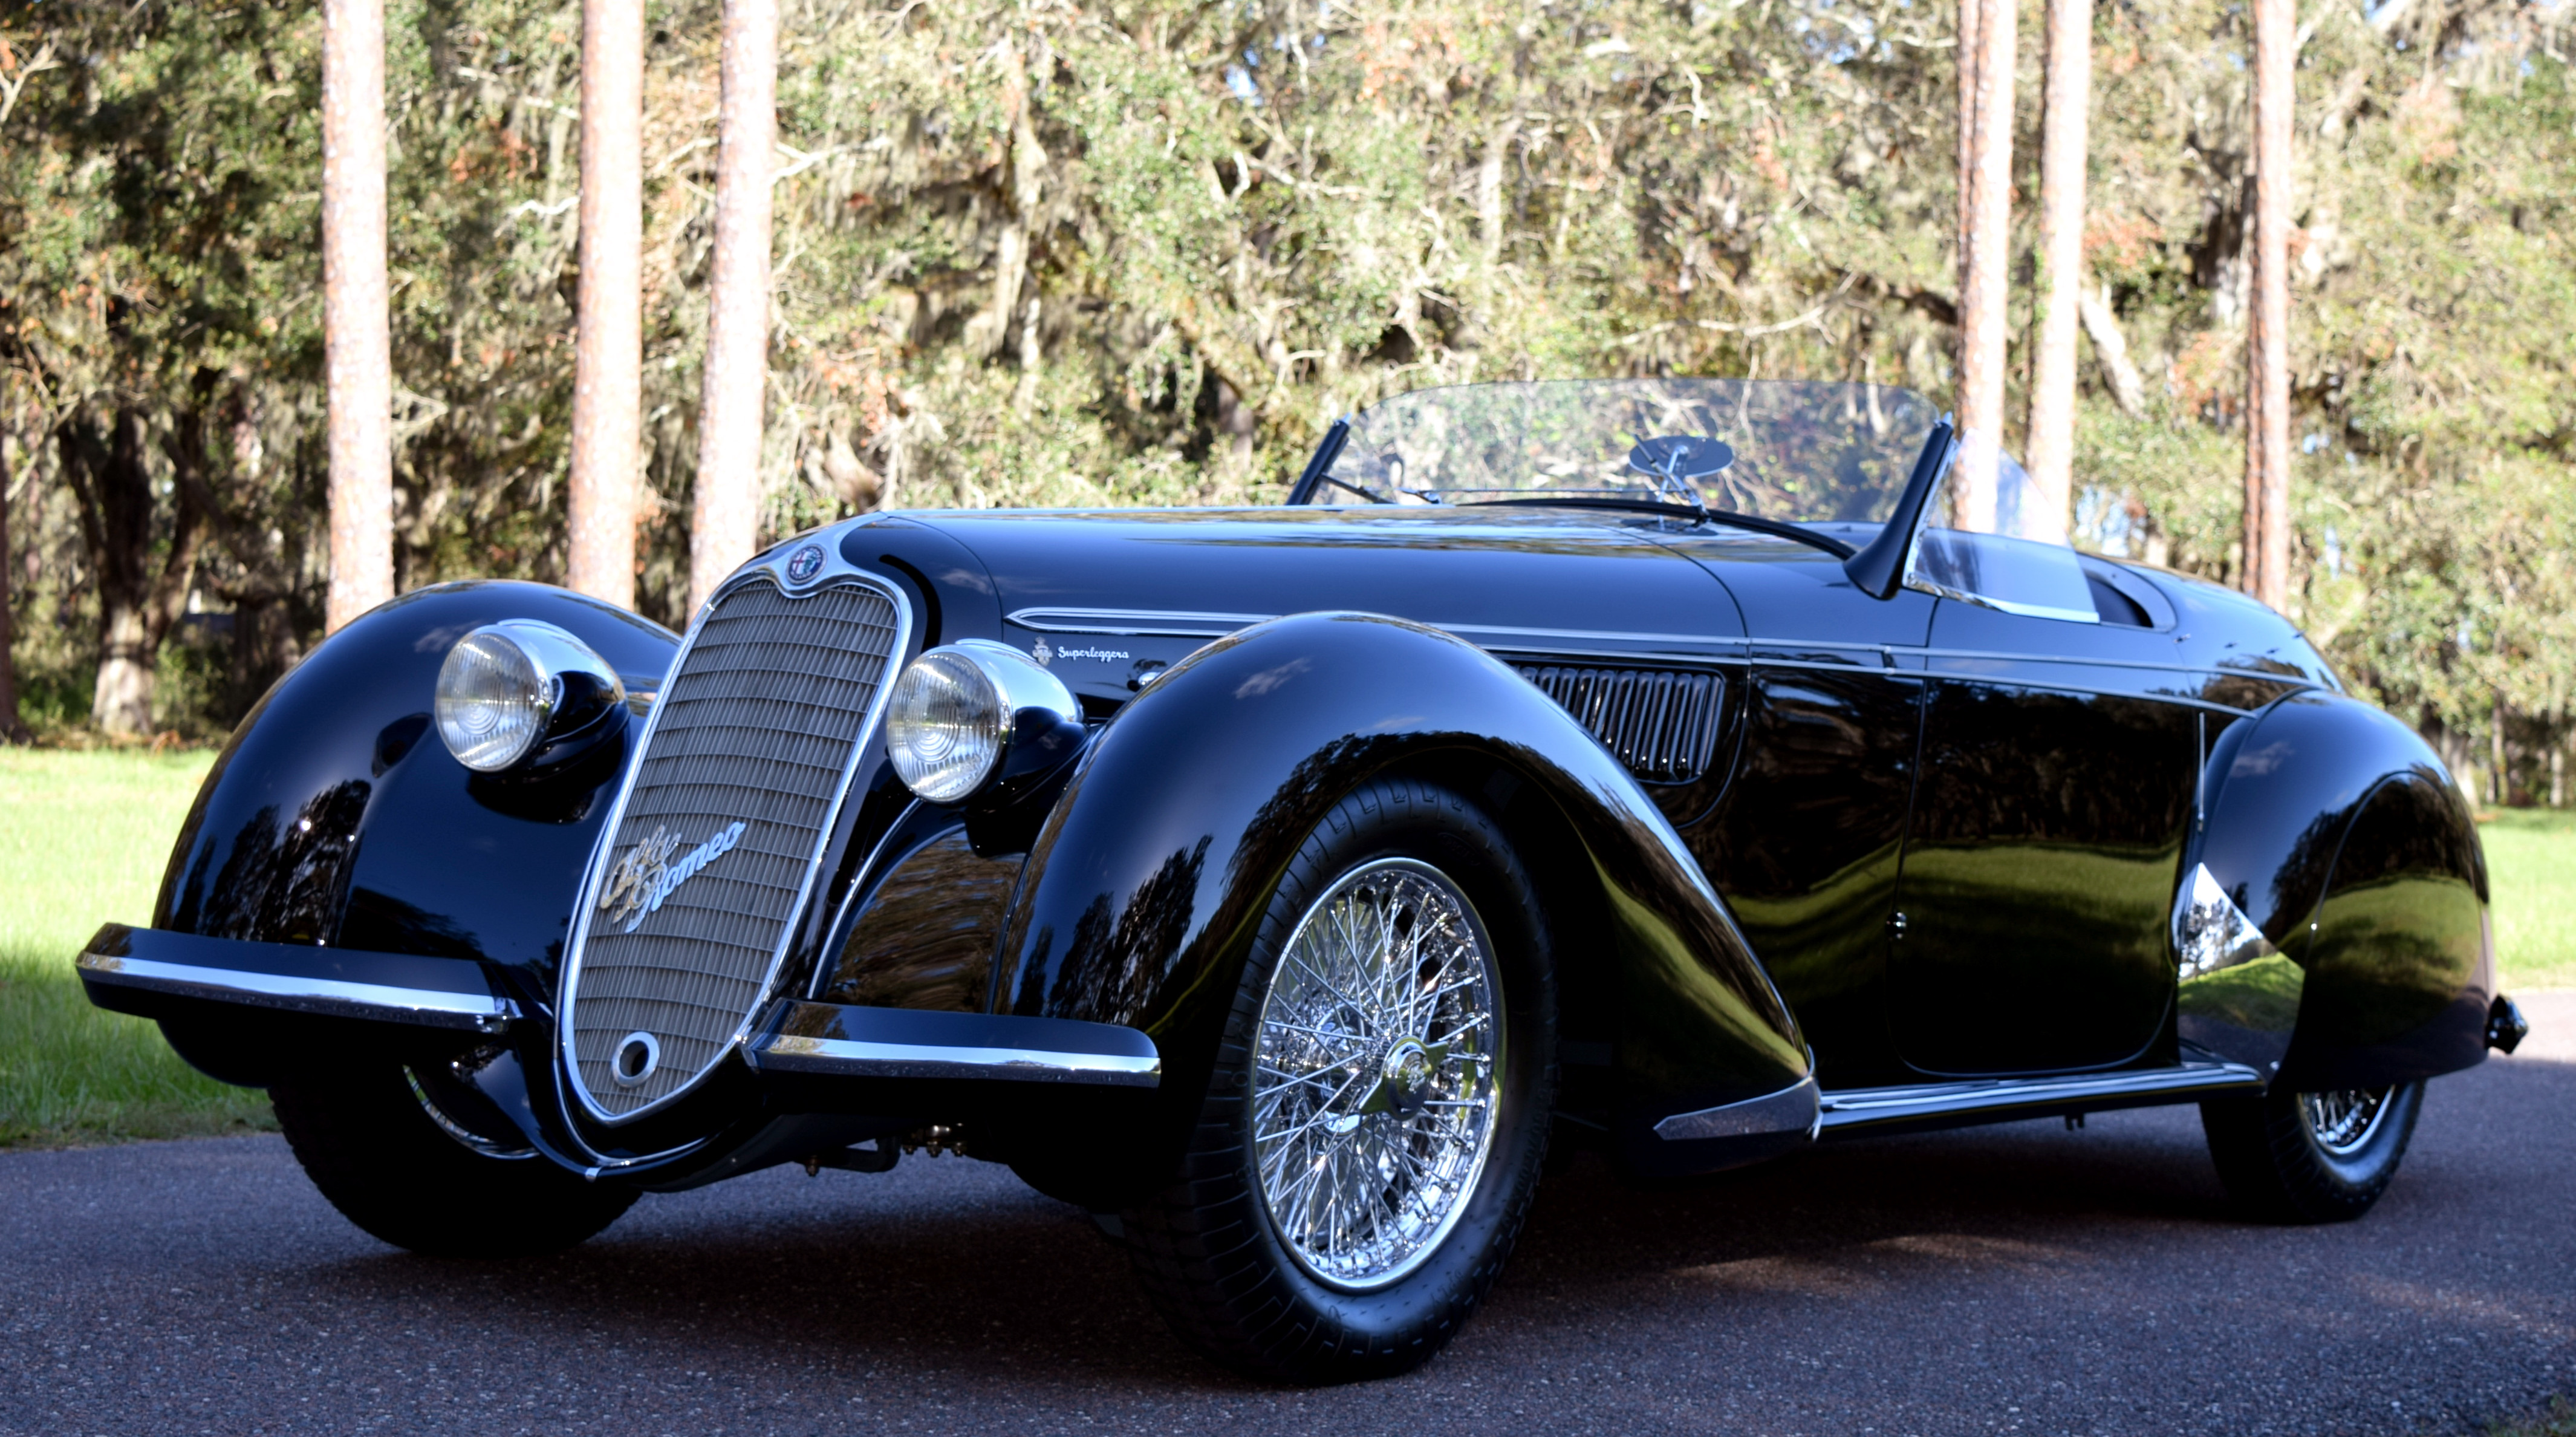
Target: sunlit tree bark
{"points": [[725, 522], [2267, 340], [1984, 245], [358, 341], [2062, 142], [607, 392]]}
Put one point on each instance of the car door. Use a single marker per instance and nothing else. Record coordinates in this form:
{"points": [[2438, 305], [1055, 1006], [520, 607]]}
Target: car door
{"points": [[1805, 843], [2059, 755]]}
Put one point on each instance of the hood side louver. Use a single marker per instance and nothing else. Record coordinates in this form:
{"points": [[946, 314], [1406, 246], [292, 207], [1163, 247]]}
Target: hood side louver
{"points": [[1661, 723]]}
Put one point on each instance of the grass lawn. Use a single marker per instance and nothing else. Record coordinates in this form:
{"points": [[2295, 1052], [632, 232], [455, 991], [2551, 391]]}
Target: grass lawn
{"points": [[2531, 866], [83, 837]]}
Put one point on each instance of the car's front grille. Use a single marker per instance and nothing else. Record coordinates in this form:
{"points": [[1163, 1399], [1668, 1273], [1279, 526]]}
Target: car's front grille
{"points": [[1661, 723], [749, 750]]}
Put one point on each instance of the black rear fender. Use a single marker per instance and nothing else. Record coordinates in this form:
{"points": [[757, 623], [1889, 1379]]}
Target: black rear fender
{"points": [[1147, 883], [2336, 830]]}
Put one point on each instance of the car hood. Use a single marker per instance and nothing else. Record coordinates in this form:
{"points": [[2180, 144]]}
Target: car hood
{"points": [[1109, 594]]}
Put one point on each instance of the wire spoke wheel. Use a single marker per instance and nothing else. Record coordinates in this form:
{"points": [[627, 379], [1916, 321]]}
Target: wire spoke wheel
{"points": [[2343, 1123], [2289, 1156], [1377, 1071]]}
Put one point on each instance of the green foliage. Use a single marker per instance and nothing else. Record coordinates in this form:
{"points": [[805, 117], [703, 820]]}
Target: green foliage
{"points": [[2433, 329], [1033, 253], [83, 839]]}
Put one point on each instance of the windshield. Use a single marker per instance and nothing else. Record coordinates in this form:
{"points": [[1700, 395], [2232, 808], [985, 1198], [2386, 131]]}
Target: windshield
{"points": [[1794, 451]]}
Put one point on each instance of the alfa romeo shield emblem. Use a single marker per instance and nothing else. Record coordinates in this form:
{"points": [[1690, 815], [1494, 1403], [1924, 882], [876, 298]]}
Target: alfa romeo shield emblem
{"points": [[804, 564]]}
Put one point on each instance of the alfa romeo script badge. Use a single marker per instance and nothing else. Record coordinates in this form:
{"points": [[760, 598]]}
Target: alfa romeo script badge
{"points": [[639, 882], [804, 564]]}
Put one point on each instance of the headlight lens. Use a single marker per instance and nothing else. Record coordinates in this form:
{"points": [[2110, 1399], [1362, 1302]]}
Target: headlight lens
{"points": [[493, 701], [508, 688], [946, 726]]}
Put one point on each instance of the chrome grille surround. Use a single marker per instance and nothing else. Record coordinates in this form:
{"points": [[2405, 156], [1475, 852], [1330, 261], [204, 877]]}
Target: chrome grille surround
{"points": [[1661, 723], [771, 701]]}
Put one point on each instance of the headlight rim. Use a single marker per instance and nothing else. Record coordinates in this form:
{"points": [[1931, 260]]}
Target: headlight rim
{"points": [[1031, 710], [572, 690]]}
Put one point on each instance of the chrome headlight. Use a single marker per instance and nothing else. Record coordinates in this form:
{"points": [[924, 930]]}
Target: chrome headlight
{"points": [[967, 714], [507, 687]]}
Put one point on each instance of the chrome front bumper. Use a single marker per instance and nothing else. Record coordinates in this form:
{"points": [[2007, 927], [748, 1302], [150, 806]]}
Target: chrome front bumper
{"points": [[829, 1040], [155, 974], [140, 970]]}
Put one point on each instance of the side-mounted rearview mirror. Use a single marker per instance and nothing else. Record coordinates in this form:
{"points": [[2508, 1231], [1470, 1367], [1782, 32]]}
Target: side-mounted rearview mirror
{"points": [[1879, 570]]}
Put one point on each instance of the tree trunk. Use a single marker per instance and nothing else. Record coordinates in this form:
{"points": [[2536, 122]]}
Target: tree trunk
{"points": [[1984, 253], [2061, 256], [2502, 784], [2111, 351], [608, 354], [13, 729], [1969, 12], [2267, 340], [358, 344], [136, 607], [990, 329], [724, 524]]}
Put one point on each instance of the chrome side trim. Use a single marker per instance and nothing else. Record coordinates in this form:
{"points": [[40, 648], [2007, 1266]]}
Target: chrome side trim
{"points": [[330, 997], [1793, 1109], [1860, 1107], [2210, 933], [860, 1058]]}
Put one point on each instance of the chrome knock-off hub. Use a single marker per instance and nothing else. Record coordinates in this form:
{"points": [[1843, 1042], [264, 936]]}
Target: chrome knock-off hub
{"points": [[1406, 1076]]}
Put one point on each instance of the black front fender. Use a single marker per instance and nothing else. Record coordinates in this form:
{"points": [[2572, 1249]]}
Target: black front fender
{"points": [[336, 818], [1149, 879]]}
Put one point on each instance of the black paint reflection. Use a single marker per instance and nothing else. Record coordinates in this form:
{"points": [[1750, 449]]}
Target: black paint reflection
{"points": [[926, 938], [283, 877], [2039, 872], [1805, 850], [1112, 970], [2398, 936]]}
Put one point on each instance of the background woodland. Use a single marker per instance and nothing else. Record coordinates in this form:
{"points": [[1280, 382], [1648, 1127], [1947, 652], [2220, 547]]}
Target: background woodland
{"points": [[1142, 252]]}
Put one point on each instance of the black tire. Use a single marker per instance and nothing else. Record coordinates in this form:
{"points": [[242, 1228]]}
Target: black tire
{"points": [[1210, 1248], [2278, 1157], [365, 1139]]}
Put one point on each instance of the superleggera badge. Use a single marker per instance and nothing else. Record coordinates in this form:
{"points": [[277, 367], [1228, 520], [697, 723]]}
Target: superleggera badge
{"points": [[805, 563], [646, 875]]}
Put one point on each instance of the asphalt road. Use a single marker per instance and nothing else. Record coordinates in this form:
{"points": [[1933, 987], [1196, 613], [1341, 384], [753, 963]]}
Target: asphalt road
{"points": [[2014, 1279]]}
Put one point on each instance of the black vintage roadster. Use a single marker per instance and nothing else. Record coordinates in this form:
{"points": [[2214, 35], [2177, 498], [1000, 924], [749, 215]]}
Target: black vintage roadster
{"points": [[1695, 769]]}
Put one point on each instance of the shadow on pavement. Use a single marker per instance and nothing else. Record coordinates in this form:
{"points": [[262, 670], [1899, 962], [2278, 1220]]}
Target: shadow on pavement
{"points": [[951, 1263]]}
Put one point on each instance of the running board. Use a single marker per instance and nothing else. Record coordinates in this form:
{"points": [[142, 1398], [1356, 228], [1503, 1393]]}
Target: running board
{"points": [[1998, 1100]]}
